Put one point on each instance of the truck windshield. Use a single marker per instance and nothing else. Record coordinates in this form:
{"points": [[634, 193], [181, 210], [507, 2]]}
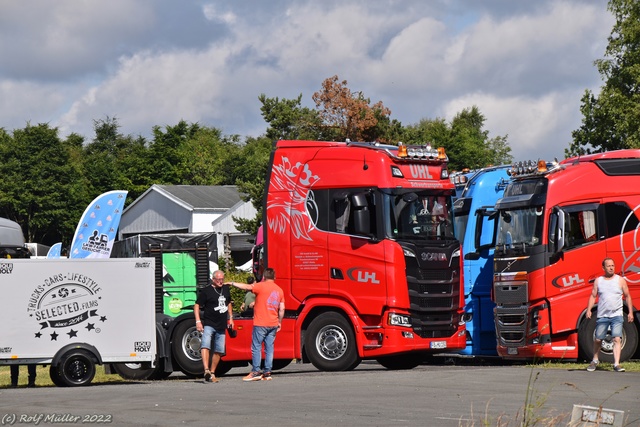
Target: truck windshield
{"points": [[520, 227], [425, 215]]}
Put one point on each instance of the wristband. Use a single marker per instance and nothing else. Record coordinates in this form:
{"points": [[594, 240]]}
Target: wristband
{"points": [[198, 321]]}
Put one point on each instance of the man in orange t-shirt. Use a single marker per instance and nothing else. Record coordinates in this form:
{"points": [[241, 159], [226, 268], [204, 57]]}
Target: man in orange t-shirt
{"points": [[268, 312]]}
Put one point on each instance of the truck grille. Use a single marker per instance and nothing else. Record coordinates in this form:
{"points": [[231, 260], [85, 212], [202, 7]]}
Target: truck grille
{"points": [[511, 325], [434, 298]]}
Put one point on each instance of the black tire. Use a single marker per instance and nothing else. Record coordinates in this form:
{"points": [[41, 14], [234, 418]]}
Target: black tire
{"points": [[185, 346], [137, 371], [55, 377], [401, 361], [628, 342], [76, 368], [330, 343]]}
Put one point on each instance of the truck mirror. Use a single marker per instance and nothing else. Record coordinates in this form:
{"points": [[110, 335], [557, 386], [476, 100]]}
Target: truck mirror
{"points": [[485, 232], [361, 215], [560, 229]]}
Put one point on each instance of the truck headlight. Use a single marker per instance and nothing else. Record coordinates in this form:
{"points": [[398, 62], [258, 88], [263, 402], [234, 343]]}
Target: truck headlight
{"points": [[408, 253], [399, 320]]}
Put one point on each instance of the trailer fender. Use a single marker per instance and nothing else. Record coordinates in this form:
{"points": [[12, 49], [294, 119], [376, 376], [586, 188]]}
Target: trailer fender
{"points": [[76, 346]]}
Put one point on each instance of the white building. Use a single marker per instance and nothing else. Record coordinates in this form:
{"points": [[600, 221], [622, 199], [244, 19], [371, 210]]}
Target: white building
{"points": [[168, 209]]}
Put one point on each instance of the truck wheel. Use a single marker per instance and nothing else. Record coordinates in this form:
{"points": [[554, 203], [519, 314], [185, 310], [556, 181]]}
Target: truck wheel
{"points": [[330, 343], [76, 368], [402, 361], [628, 342], [185, 346], [136, 371]]}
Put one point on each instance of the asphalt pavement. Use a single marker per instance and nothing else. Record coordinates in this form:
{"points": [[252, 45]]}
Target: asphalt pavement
{"points": [[370, 395]]}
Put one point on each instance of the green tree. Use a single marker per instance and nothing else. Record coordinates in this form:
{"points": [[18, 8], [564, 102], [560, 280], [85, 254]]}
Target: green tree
{"points": [[611, 120], [113, 161], [208, 158], [165, 151], [43, 188], [287, 119], [251, 179], [465, 140]]}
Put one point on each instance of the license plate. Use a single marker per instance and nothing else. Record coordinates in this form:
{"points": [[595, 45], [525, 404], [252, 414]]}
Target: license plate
{"points": [[439, 344], [512, 350]]}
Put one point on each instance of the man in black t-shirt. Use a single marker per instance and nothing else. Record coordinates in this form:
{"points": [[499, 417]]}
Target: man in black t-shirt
{"points": [[212, 311]]}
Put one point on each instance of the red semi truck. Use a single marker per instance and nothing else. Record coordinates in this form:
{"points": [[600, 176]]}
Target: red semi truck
{"points": [[361, 238], [555, 226]]}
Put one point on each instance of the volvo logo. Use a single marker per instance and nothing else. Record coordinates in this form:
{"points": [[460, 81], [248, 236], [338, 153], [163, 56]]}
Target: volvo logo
{"points": [[433, 256]]}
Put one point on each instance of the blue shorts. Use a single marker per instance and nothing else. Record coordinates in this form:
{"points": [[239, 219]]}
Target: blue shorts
{"points": [[218, 340], [603, 324]]}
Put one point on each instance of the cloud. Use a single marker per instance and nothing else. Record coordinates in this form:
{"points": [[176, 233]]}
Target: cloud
{"points": [[532, 124], [148, 63]]}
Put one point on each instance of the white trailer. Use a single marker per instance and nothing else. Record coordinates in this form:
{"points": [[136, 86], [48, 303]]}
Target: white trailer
{"points": [[72, 314]]}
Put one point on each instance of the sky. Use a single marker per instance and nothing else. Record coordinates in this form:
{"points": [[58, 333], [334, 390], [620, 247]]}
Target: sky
{"points": [[524, 64]]}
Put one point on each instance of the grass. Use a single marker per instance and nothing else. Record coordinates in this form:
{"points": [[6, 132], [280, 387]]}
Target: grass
{"points": [[43, 379], [629, 365]]}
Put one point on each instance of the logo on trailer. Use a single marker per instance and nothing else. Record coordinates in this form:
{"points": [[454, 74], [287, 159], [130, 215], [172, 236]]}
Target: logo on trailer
{"points": [[567, 280], [6, 268], [142, 346], [358, 274], [66, 304]]}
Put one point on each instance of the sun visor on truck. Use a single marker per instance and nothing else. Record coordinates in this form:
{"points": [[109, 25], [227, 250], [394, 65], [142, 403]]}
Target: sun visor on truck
{"points": [[521, 201]]}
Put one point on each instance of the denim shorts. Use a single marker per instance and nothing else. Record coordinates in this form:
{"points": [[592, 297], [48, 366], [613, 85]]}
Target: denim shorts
{"points": [[603, 323], [218, 340]]}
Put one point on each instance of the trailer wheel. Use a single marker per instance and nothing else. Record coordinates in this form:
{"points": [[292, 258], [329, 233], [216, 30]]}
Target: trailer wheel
{"points": [[185, 346], [401, 361], [76, 368], [55, 377], [330, 343], [628, 342]]}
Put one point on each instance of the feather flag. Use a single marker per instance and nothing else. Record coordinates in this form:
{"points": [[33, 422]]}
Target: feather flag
{"points": [[54, 251], [97, 228]]}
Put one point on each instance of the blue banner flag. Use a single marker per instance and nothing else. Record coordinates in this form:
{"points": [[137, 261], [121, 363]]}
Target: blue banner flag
{"points": [[54, 251], [97, 228]]}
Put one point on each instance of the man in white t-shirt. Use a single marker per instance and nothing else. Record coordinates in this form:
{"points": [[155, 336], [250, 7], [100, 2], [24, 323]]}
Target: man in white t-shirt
{"points": [[609, 289]]}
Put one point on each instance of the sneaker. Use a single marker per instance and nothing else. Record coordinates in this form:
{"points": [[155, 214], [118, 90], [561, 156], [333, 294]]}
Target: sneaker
{"points": [[207, 376], [253, 376], [618, 368], [267, 376], [592, 366]]}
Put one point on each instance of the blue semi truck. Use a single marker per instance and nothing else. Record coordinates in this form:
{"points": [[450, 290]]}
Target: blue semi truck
{"points": [[475, 227]]}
